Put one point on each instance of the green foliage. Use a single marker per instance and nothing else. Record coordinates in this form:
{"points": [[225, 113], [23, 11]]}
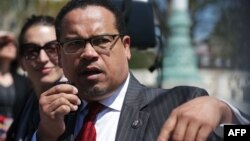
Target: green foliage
{"points": [[14, 12]]}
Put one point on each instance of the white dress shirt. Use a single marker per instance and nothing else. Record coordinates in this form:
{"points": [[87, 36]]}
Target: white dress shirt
{"points": [[107, 120]]}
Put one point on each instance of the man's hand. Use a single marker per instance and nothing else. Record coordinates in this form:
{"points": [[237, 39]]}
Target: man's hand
{"points": [[54, 104], [195, 120]]}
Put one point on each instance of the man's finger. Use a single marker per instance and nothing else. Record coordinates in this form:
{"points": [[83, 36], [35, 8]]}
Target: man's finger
{"points": [[204, 133], [61, 88], [192, 130], [180, 129], [69, 101], [60, 112], [167, 128]]}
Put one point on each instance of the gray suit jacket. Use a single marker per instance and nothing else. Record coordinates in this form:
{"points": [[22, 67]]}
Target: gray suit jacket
{"points": [[145, 110]]}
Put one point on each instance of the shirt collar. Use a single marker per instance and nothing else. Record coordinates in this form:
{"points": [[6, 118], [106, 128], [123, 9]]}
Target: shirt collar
{"points": [[115, 101]]}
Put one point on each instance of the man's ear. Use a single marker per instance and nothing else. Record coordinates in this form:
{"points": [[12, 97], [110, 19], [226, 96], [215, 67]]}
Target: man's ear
{"points": [[126, 43]]}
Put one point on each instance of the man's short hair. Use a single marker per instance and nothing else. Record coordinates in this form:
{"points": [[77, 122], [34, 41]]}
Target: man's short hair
{"points": [[74, 4]]}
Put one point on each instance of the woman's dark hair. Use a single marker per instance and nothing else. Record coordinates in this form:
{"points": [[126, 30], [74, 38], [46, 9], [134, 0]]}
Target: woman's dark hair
{"points": [[32, 21], [74, 4], [35, 20]]}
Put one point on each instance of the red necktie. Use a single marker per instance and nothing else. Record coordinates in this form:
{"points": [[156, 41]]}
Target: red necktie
{"points": [[88, 132]]}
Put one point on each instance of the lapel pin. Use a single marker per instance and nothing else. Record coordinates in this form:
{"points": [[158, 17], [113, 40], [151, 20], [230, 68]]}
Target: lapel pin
{"points": [[135, 124]]}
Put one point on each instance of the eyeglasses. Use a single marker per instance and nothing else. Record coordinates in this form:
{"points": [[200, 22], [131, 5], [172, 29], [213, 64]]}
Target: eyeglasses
{"points": [[31, 51], [101, 43]]}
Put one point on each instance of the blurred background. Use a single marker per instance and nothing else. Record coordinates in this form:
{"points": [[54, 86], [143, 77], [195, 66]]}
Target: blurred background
{"points": [[204, 43]]}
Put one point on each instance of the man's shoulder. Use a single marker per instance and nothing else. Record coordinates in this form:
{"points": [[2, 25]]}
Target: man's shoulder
{"points": [[179, 89], [188, 89], [178, 93]]}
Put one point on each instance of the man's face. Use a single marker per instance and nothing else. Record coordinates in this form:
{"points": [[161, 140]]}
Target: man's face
{"points": [[95, 73], [39, 64]]}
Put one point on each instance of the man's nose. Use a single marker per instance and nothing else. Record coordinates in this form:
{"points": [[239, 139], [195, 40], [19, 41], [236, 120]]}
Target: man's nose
{"points": [[89, 52]]}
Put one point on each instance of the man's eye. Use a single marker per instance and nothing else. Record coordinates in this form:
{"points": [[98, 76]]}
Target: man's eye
{"points": [[76, 43], [100, 41]]}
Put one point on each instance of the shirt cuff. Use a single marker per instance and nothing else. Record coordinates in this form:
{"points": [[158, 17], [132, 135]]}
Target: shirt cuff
{"points": [[240, 119]]}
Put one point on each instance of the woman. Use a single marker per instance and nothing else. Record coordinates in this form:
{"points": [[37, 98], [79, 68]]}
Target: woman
{"points": [[38, 55], [13, 87]]}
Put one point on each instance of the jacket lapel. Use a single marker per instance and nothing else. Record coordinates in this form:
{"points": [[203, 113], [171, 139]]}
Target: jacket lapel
{"points": [[133, 119]]}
